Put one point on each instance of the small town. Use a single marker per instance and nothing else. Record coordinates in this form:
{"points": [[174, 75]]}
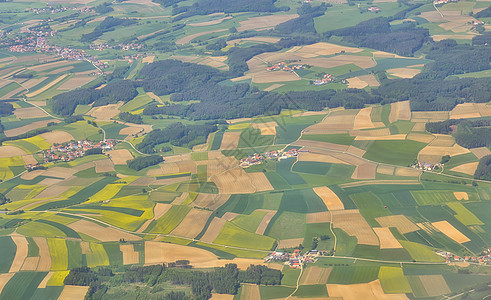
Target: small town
{"points": [[257, 159], [75, 149]]}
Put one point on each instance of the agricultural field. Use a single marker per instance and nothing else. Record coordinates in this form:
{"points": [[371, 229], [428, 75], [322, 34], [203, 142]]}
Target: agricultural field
{"points": [[136, 134]]}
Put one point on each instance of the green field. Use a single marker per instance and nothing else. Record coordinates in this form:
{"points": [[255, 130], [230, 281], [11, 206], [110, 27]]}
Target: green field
{"points": [[401, 153], [393, 280], [341, 139], [233, 235]]}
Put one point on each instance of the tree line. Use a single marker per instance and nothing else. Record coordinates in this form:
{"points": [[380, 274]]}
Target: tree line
{"points": [[65, 104], [483, 170], [206, 7], [108, 24], [221, 280]]}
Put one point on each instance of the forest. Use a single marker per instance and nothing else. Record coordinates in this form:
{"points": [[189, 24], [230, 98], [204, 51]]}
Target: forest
{"points": [[378, 34], [65, 104], [222, 280], [483, 170], [143, 162], [176, 134], [206, 7]]}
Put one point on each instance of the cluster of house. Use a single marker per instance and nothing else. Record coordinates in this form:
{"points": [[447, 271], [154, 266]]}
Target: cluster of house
{"points": [[485, 258], [327, 78], [441, 2], [257, 159], [74, 149], [421, 165], [283, 66], [124, 47], [296, 259], [52, 10], [40, 45], [48, 9], [374, 9]]}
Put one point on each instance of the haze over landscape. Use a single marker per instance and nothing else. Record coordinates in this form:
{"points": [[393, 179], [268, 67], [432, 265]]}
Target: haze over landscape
{"points": [[267, 149]]}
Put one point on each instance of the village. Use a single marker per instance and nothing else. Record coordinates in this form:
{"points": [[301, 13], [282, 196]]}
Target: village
{"points": [[75, 149], [296, 259], [421, 165], [257, 159], [484, 258]]}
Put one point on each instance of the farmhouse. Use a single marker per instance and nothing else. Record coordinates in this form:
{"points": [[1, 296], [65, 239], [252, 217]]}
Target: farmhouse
{"points": [[373, 9]]}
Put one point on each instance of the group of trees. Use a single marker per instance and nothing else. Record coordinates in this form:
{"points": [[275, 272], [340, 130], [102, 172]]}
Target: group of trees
{"points": [[66, 103], [6, 108], [483, 170], [177, 134], [143, 162], [3, 199], [223, 280], [108, 24], [103, 8], [131, 118]]}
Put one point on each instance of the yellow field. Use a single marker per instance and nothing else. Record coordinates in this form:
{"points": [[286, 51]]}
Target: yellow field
{"points": [[57, 278], [106, 193], [98, 256], [59, 254]]}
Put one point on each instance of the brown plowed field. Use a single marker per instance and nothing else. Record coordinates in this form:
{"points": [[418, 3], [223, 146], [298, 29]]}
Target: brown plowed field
{"points": [[260, 182], [230, 140], [210, 201], [330, 199], [353, 223], [234, 181], [120, 156], [265, 221], [213, 230], [44, 255], [401, 222], [29, 113], [386, 238], [103, 234], [315, 275], [367, 291], [193, 223], [130, 256]]}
